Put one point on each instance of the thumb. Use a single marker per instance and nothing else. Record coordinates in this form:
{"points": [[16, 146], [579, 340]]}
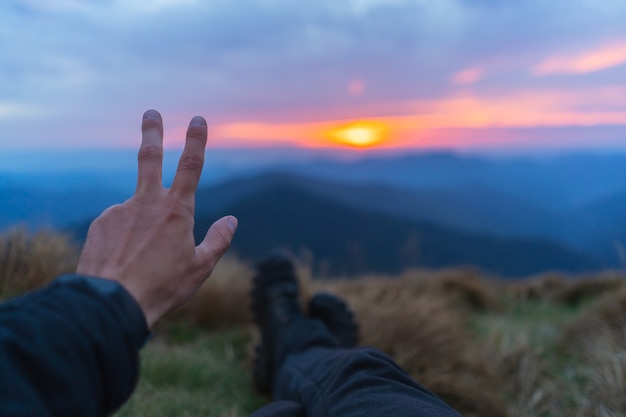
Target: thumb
{"points": [[216, 241]]}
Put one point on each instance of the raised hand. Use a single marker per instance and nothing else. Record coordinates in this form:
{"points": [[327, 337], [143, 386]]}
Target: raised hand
{"points": [[146, 243]]}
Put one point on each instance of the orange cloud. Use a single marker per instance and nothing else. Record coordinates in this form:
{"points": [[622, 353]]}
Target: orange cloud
{"points": [[468, 76], [269, 133], [604, 57], [541, 108]]}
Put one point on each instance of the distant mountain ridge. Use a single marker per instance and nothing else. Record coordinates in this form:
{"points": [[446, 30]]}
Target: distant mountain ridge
{"points": [[554, 183], [38, 208], [345, 240], [551, 183], [575, 201], [477, 209]]}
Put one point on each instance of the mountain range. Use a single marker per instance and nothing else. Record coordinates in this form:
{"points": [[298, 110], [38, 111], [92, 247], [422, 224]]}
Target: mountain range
{"points": [[509, 216], [339, 239]]}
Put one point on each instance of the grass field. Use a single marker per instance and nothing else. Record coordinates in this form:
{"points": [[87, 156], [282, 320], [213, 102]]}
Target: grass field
{"points": [[190, 372], [546, 346]]}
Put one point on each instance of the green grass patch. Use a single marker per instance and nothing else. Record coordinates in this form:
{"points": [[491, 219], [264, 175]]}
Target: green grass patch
{"points": [[200, 374], [540, 323], [542, 377]]}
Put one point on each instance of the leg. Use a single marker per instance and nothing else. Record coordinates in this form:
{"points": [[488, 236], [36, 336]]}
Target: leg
{"points": [[332, 381], [337, 317], [303, 361]]}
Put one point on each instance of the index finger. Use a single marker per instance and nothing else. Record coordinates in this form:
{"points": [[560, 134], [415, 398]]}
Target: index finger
{"points": [[192, 159], [150, 156]]}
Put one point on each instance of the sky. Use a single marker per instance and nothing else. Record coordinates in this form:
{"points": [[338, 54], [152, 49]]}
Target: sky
{"points": [[509, 75]]}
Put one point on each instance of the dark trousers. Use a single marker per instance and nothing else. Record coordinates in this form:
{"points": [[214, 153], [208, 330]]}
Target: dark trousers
{"points": [[326, 380]]}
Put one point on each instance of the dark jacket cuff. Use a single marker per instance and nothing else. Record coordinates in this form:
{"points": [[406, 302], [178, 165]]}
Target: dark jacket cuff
{"points": [[117, 296]]}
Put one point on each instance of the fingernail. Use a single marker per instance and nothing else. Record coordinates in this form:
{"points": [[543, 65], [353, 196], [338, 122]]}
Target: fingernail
{"points": [[232, 223], [151, 114], [198, 121]]}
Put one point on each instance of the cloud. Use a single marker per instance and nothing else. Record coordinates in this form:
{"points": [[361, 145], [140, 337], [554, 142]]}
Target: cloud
{"points": [[93, 67], [468, 76], [598, 59], [11, 110], [356, 87], [524, 109]]}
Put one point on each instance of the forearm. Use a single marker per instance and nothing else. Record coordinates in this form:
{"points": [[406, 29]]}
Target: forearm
{"points": [[71, 348]]}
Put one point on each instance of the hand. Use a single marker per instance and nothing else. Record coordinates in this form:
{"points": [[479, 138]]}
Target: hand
{"points": [[146, 244]]}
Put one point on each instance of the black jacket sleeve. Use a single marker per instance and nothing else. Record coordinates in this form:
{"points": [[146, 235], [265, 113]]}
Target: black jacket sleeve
{"points": [[70, 349], [281, 408]]}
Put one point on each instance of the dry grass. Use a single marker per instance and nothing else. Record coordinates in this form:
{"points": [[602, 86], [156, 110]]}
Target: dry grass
{"points": [[597, 339], [520, 346], [551, 345], [585, 289], [420, 319], [487, 347], [29, 261], [223, 300], [566, 290]]}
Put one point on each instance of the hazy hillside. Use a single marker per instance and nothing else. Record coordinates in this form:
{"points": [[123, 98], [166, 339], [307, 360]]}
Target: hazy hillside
{"points": [[554, 183], [38, 208], [601, 227], [576, 201], [345, 240], [476, 209]]}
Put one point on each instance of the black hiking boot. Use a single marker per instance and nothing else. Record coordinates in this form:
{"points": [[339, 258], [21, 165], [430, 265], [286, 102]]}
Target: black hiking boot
{"points": [[336, 315], [275, 304]]}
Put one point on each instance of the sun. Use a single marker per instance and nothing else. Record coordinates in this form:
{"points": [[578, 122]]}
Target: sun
{"points": [[360, 134]]}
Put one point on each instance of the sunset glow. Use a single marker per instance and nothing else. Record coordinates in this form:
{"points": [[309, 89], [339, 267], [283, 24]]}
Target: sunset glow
{"points": [[350, 75], [406, 123], [362, 134]]}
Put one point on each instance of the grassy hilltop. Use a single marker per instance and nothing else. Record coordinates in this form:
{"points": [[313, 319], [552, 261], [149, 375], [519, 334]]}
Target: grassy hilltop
{"points": [[549, 345]]}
